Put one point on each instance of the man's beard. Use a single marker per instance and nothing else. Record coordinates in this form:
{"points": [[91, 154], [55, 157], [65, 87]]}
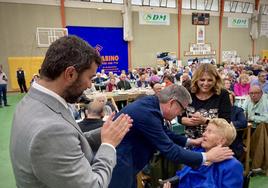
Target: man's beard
{"points": [[71, 94]]}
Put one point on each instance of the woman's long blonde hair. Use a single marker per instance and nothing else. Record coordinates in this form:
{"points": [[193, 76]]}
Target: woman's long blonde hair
{"points": [[211, 71]]}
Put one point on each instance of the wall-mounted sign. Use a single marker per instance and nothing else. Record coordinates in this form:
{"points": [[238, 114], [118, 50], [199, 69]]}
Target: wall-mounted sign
{"points": [[200, 34], [109, 43], [200, 49], [228, 56], [238, 22], [154, 18]]}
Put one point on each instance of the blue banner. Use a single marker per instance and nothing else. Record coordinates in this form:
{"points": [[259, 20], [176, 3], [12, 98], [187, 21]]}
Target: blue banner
{"points": [[110, 44]]}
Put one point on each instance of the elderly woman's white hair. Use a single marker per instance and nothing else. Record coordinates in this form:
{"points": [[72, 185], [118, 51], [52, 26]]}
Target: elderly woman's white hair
{"points": [[227, 130]]}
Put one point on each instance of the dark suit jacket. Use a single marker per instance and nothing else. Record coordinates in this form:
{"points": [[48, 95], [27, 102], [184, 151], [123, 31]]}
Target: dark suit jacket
{"points": [[239, 120], [90, 124], [20, 75], [123, 85], [147, 135], [139, 83]]}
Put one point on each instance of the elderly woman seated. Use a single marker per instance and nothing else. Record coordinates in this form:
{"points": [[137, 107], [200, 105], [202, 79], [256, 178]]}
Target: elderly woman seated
{"points": [[225, 174]]}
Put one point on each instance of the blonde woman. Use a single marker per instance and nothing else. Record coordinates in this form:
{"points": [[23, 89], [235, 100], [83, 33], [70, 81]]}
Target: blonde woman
{"points": [[209, 100]]}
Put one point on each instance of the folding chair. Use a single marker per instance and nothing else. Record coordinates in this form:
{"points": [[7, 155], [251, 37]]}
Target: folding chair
{"points": [[246, 141]]}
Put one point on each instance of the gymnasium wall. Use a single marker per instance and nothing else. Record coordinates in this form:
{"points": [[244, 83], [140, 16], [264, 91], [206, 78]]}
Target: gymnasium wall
{"points": [[237, 39], [18, 24], [150, 39]]}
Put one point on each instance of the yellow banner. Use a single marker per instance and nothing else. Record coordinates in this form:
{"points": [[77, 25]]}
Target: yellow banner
{"points": [[264, 53], [30, 65]]}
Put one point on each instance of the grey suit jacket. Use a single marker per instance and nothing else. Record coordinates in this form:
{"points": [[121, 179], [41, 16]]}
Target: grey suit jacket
{"points": [[48, 149]]}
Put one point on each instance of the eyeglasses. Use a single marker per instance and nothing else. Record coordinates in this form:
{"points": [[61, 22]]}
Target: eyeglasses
{"points": [[254, 93], [183, 109]]}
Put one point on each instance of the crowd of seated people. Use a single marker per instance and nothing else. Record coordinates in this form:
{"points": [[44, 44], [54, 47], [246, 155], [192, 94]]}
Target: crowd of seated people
{"points": [[213, 90], [250, 74], [237, 77]]}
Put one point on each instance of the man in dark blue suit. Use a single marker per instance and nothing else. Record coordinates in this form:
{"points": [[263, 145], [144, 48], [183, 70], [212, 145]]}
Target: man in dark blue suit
{"points": [[148, 134]]}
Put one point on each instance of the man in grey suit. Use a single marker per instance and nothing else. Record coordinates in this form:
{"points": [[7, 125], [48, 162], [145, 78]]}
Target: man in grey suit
{"points": [[47, 147]]}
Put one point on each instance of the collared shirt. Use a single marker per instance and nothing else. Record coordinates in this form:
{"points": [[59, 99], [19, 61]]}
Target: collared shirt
{"points": [[51, 93], [55, 95], [257, 112], [60, 99], [2, 76]]}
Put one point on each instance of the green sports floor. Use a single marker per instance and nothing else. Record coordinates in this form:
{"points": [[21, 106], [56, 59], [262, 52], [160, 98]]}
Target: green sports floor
{"points": [[6, 174]]}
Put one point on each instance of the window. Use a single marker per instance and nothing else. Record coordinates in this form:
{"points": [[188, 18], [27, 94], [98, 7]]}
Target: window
{"points": [[207, 5], [238, 7]]}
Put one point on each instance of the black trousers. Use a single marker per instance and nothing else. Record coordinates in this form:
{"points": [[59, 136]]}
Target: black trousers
{"points": [[22, 85]]}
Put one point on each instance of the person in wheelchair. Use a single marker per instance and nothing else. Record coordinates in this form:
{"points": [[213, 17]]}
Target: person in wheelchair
{"points": [[225, 174]]}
